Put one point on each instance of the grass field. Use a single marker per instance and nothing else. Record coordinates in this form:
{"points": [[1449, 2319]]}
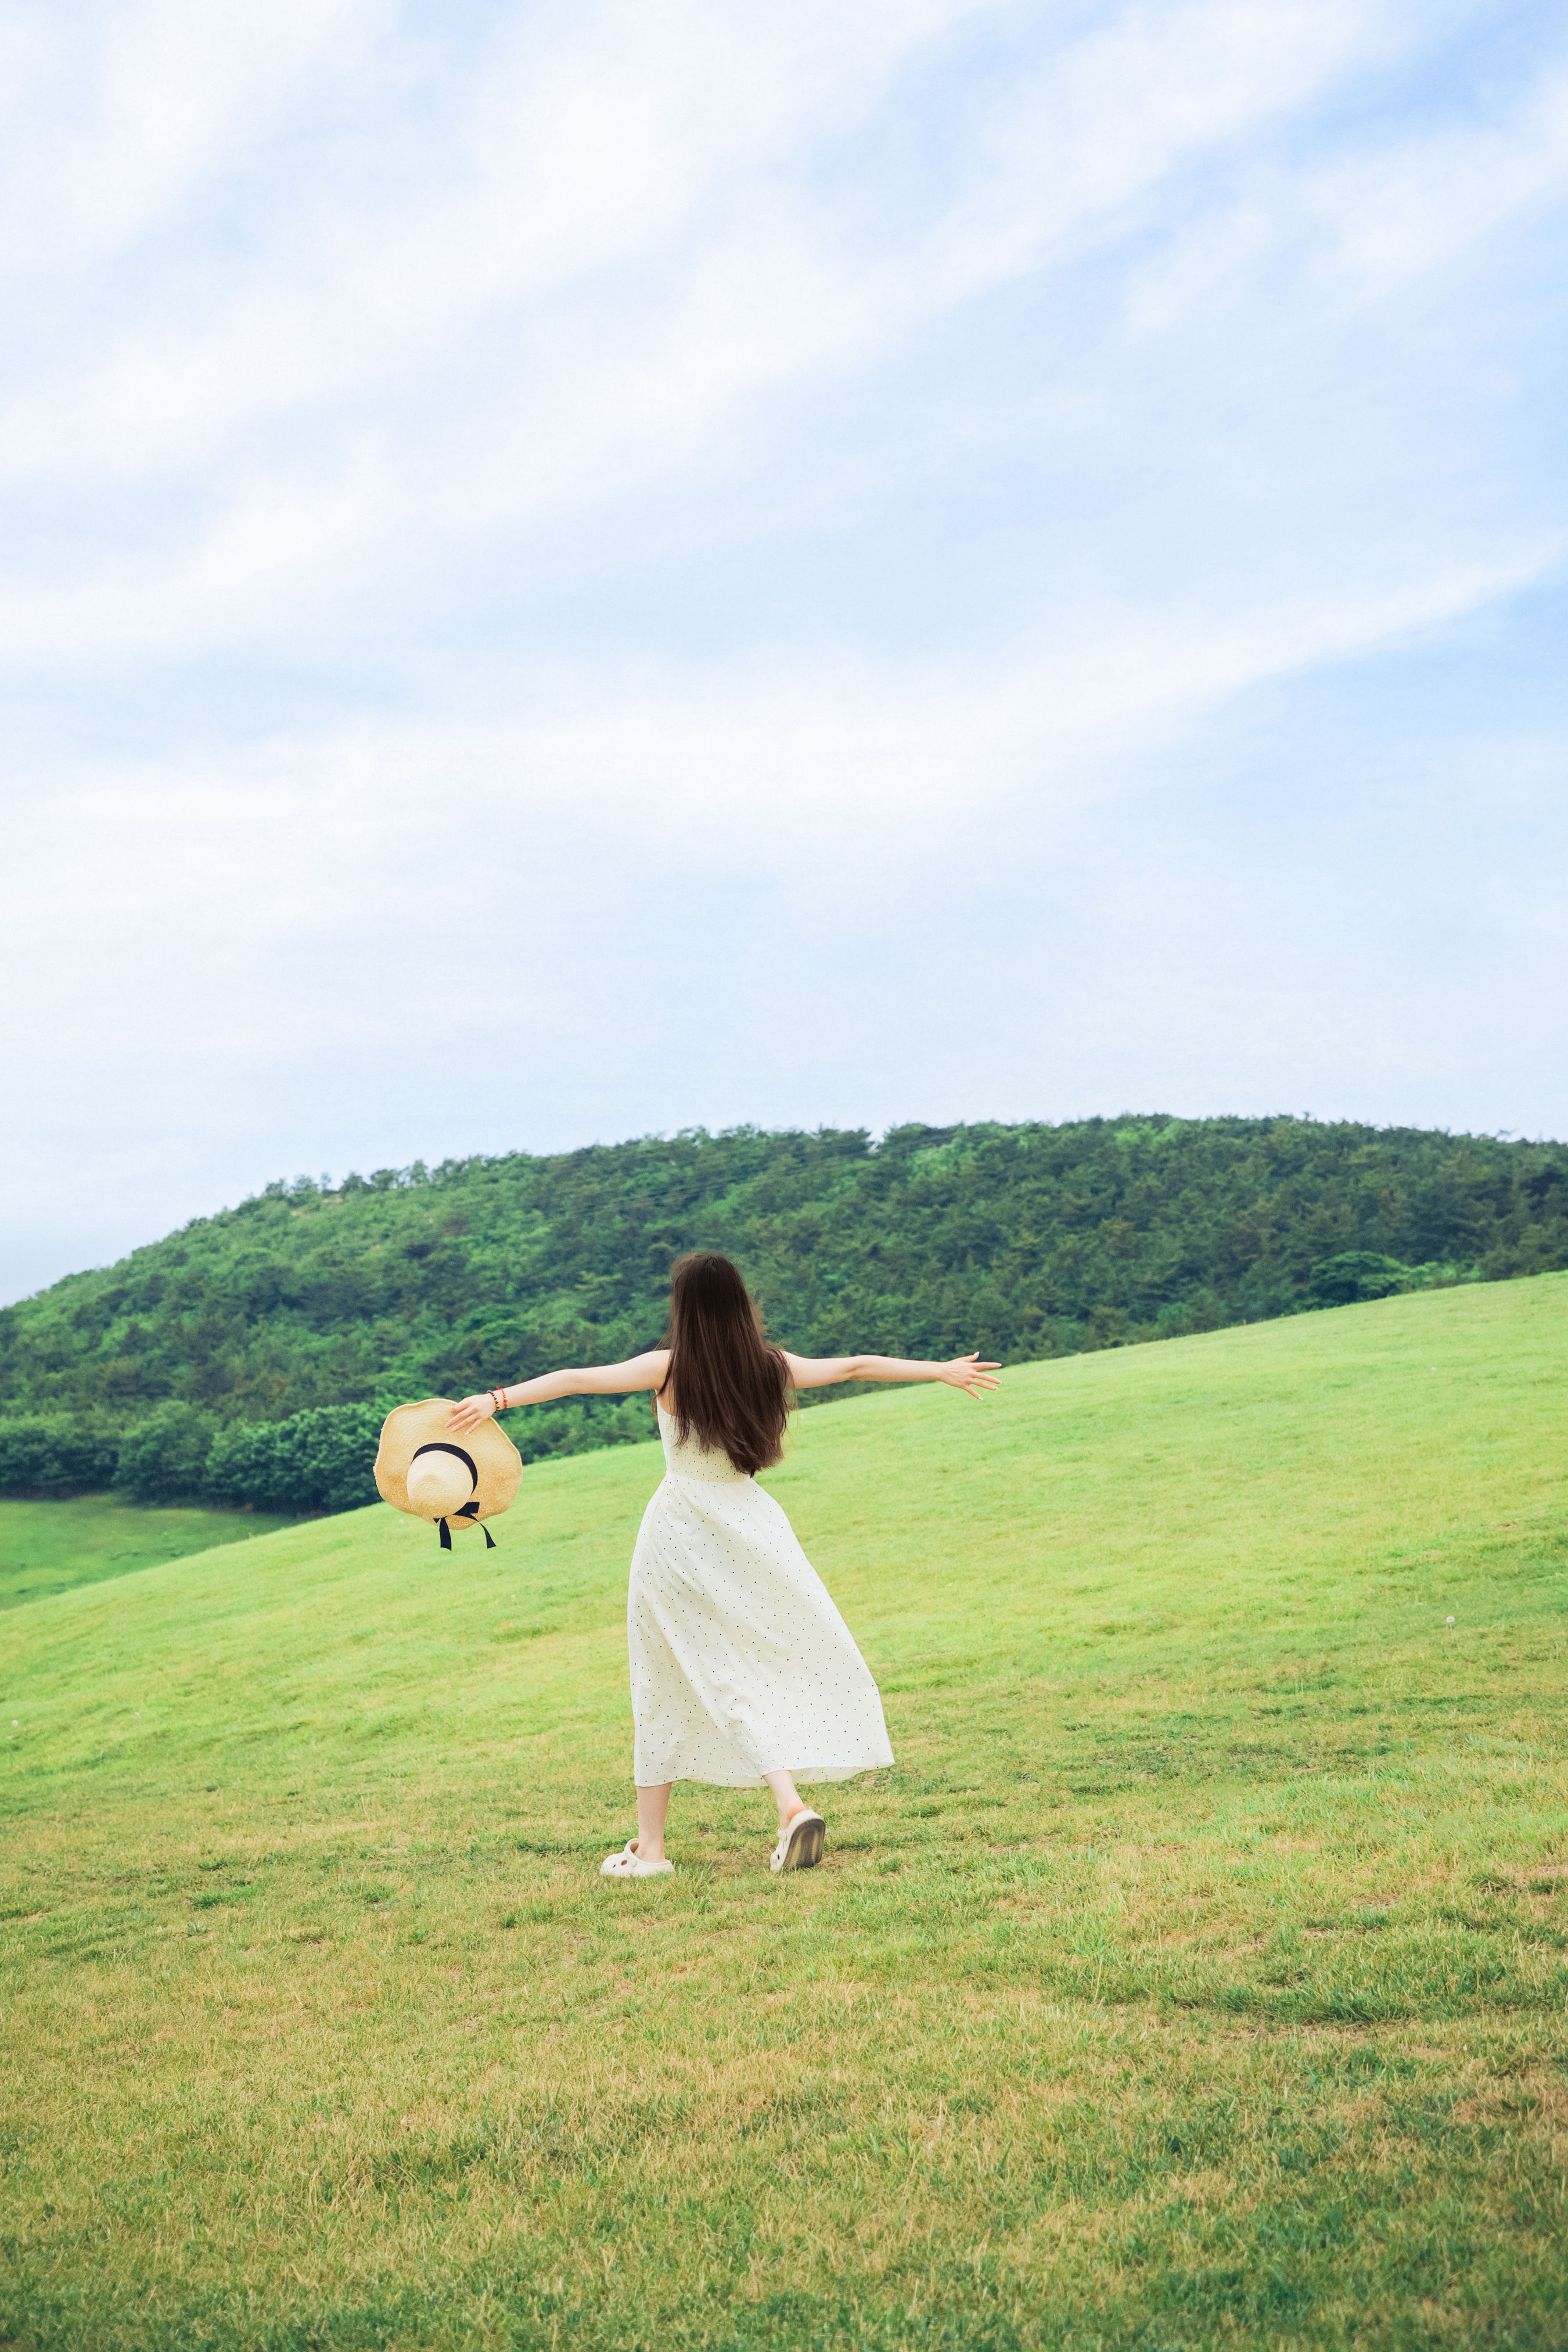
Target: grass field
{"points": [[1196, 1977], [48, 1547]]}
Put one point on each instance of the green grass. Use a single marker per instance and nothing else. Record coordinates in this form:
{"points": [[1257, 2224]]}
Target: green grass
{"points": [[48, 1547], [1196, 1977]]}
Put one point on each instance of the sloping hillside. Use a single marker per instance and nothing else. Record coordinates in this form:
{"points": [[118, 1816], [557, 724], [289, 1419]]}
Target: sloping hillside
{"points": [[1196, 1970], [1028, 1241]]}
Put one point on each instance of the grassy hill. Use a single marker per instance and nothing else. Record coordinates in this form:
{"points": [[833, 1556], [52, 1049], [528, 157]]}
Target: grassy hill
{"points": [[1197, 1975], [169, 1374], [48, 1546]]}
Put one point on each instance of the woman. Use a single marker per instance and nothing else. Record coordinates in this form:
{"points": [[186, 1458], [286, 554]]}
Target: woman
{"points": [[742, 1670]]}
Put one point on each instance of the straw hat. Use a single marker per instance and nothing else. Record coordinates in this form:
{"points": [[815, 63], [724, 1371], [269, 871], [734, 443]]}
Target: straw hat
{"points": [[421, 1469]]}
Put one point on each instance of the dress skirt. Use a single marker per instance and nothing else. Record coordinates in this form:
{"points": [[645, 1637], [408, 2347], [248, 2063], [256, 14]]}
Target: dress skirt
{"points": [[740, 1665]]}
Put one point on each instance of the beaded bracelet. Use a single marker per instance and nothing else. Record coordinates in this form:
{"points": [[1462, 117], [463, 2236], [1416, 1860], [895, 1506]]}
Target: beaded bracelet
{"points": [[500, 1396]]}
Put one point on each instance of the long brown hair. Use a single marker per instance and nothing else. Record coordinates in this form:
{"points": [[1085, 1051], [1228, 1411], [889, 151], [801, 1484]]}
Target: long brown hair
{"points": [[731, 1388]]}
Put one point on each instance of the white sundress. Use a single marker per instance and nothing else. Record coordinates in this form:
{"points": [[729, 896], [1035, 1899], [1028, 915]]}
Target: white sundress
{"points": [[740, 1663]]}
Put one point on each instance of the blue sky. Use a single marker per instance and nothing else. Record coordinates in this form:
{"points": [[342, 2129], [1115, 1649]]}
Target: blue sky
{"points": [[569, 572]]}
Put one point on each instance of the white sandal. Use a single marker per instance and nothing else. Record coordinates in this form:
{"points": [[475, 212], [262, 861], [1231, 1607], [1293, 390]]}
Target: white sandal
{"points": [[629, 1864], [800, 1843]]}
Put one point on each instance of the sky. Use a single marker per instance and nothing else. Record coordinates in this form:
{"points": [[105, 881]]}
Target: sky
{"points": [[577, 572]]}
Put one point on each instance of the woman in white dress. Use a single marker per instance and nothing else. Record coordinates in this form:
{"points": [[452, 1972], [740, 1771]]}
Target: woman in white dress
{"points": [[743, 1672]]}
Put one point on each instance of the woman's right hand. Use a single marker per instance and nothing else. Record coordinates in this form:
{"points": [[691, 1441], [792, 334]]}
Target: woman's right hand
{"points": [[471, 1413], [968, 1373]]}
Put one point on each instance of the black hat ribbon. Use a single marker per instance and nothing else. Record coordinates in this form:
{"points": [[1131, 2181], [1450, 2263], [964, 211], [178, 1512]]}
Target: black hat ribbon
{"points": [[472, 1468]]}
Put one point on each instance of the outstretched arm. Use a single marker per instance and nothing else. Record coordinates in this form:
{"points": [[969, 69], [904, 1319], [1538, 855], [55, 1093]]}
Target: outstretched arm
{"points": [[966, 1372], [595, 1379]]}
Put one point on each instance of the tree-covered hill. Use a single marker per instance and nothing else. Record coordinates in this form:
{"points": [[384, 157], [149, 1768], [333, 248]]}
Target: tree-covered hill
{"points": [[316, 1307]]}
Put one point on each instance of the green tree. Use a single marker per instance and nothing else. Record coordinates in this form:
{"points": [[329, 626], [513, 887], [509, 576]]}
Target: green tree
{"points": [[162, 1458], [1026, 1241]]}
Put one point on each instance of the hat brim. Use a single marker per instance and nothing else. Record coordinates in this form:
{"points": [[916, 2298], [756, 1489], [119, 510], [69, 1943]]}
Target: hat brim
{"points": [[498, 1465]]}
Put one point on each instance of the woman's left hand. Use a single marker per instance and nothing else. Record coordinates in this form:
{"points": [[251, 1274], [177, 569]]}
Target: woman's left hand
{"points": [[471, 1413]]}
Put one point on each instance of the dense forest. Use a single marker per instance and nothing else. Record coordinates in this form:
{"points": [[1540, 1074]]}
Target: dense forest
{"points": [[251, 1355]]}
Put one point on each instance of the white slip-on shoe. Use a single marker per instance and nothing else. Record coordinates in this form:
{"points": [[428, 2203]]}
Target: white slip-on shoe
{"points": [[800, 1843], [629, 1864]]}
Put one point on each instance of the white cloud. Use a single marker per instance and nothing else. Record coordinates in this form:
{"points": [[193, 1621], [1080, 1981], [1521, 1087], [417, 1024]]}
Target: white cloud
{"points": [[619, 230], [1102, 123], [579, 147], [1397, 210], [731, 767], [623, 223], [1391, 217], [108, 127], [517, 472]]}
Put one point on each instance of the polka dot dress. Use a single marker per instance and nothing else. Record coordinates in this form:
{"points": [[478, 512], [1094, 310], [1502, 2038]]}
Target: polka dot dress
{"points": [[740, 1663]]}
